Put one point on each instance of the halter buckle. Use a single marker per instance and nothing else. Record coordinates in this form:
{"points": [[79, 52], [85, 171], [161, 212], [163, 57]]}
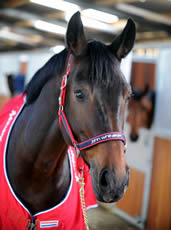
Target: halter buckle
{"points": [[64, 82], [63, 85], [76, 150], [61, 108]]}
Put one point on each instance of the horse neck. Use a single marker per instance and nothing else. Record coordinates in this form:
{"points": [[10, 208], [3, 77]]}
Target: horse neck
{"points": [[48, 146], [40, 151]]}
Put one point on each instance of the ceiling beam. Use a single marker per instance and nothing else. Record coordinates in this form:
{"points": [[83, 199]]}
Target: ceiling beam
{"points": [[145, 14], [37, 36], [7, 43], [151, 35], [29, 17], [55, 15], [84, 5], [112, 2], [124, 14], [18, 38], [15, 3]]}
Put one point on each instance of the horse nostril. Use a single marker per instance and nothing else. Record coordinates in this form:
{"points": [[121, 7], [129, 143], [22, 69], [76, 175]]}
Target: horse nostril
{"points": [[134, 137], [127, 177], [104, 178]]}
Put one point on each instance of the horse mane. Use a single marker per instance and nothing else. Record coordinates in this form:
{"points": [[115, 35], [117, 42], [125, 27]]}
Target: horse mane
{"points": [[52, 68]]}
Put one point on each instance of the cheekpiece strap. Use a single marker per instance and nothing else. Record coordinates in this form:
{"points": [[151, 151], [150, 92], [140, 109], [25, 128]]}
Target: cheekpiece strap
{"points": [[63, 89]]}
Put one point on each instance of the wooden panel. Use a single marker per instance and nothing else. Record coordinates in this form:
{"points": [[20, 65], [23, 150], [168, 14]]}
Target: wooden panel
{"points": [[137, 75], [133, 198], [143, 74], [150, 74], [159, 213]]}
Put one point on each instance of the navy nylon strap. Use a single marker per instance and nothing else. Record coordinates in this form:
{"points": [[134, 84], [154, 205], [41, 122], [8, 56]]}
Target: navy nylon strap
{"points": [[109, 136]]}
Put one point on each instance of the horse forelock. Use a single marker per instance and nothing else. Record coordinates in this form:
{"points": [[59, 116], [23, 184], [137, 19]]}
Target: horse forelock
{"points": [[104, 67]]}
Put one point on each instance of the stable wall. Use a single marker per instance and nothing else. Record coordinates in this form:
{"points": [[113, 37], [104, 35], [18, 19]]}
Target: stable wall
{"points": [[10, 63]]}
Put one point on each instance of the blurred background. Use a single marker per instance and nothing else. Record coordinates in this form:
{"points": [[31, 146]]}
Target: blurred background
{"points": [[31, 31]]}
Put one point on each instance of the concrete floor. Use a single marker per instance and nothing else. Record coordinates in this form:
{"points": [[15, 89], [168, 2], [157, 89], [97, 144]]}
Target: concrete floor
{"points": [[102, 218]]}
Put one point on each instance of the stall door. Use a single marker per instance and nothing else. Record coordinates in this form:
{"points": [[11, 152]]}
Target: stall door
{"points": [[134, 206]]}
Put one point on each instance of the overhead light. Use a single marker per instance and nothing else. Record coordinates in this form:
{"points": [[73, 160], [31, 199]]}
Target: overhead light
{"points": [[120, 25], [100, 16], [59, 5], [57, 49], [6, 34], [94, 24], [49, 27]]}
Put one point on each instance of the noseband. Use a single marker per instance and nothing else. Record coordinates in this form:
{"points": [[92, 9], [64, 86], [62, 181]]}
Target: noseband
{"points": [[109, 136]]}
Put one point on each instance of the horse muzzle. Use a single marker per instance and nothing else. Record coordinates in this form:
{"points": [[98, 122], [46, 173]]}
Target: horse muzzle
{"points": [[110, 188]]}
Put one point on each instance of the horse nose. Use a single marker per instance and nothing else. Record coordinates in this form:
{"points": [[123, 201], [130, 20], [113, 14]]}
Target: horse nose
{"points": [[112, 187], [126, 182], [105, 179], [134, 137]]}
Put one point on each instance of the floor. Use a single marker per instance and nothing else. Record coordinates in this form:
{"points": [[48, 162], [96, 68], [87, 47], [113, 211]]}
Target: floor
{"points": [[102, 218]]}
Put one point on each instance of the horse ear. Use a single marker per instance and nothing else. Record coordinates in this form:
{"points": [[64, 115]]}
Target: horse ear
{"points": [[124, 42], [75, 36], [146, 103]]}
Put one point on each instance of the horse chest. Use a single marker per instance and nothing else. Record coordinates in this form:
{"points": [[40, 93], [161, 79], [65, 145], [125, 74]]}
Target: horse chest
{"points": [[38, 191]]}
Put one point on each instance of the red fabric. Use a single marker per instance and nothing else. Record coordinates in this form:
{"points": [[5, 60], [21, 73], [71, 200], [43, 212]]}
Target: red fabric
{"points": [[67, 215]]}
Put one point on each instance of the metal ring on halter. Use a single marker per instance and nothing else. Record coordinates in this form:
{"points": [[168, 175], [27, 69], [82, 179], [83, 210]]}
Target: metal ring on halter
{"points": [[60, 106], [65, 82], [76, 150], [60, 101]]}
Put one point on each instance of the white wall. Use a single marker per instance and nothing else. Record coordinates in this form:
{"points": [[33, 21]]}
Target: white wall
{"points": [[9, 63], [36, 61], [162, 122], [126, 66]]}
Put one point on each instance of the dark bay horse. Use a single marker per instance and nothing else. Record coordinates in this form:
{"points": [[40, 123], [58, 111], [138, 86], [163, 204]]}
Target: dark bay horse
{"points": [[95, 101], [140, 111], [142, 105]]}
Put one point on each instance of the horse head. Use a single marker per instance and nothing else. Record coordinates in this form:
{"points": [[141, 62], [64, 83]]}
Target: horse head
{"points": [[141, 111], [96, 98]]}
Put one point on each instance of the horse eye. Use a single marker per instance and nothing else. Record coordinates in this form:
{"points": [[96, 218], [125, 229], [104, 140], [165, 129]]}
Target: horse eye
{"points": [[79, 95], [129, 96]]}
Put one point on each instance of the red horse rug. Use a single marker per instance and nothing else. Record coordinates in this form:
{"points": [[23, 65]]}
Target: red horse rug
{"points": [[14, 215]]}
